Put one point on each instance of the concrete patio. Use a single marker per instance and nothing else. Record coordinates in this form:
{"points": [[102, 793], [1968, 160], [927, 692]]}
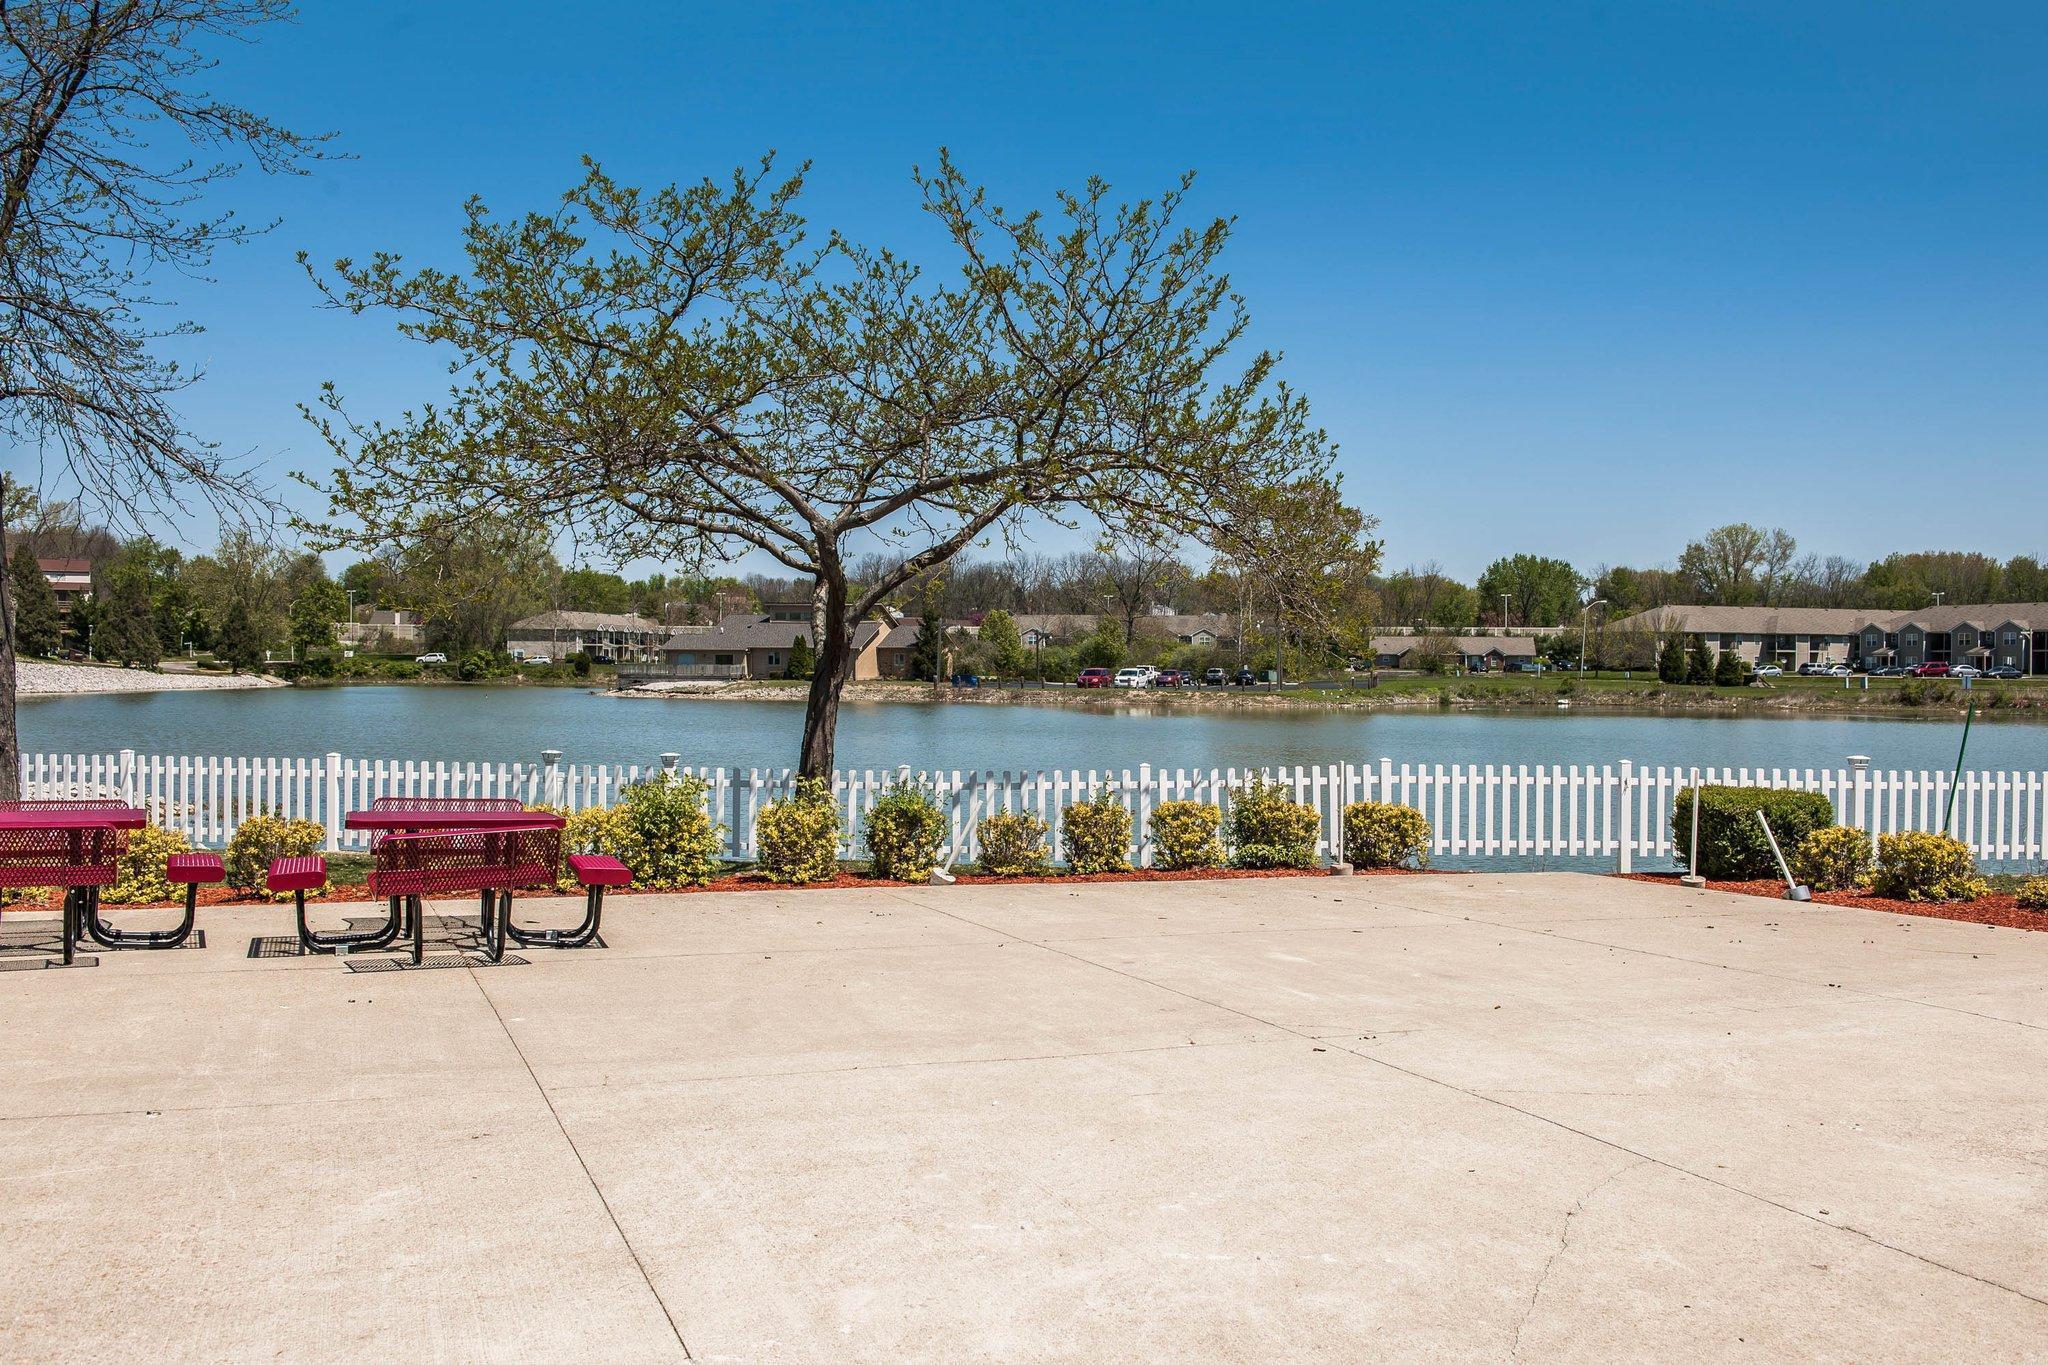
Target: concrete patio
{"points": [[1482, 1117]]}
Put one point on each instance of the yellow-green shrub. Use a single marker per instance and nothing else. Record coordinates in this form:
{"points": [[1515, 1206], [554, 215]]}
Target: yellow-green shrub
{"points": [[141, 877], [1834, 858], [903, 832], [665, 833], [1185, 833], [1268, 828], [2033, 894], [799, 836], [1012, 845], [261, 839], [1097, 835], [1918, 866], [1385, 834]]}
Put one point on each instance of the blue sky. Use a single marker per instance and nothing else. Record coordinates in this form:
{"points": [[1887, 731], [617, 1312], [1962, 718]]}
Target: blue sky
{"points": [[1581, 279]]}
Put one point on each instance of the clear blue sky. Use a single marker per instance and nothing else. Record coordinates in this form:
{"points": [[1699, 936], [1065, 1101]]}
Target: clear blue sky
{"points": [[1582, 279]]}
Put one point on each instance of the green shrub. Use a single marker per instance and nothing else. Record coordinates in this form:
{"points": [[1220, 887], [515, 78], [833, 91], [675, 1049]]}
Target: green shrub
{"points": [[799, 835], [1012, 845], [578, 662], [903, 834], [141, 870], [1836, 858], [1918, 866], [666, 834], [261, 839], [1384, 834], [1268, 828], [1097, 835], [1186, 835], [1732, 844], [2033, 894]]}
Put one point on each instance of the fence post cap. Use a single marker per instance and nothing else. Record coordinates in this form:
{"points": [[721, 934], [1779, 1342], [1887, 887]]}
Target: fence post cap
{"points": [[551, 756], [1859, 761]]}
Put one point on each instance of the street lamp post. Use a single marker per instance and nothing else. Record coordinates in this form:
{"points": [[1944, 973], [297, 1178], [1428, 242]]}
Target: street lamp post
{"points": [[1504, 609], [1584, 612]]}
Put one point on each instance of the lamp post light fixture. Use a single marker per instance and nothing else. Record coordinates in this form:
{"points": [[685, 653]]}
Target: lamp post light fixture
{"points": [[1584, 612]]}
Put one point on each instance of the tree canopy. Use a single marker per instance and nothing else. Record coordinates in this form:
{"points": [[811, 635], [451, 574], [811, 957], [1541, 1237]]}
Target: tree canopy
{"points": [[684, 373]]}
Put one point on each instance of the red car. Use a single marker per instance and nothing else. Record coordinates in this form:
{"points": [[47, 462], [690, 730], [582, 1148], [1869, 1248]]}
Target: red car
{"points": [[1931, 671], [1093, 677]]}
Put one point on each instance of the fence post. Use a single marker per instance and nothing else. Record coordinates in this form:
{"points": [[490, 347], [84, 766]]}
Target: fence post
{"points": [[551, 776], [330, 782], [1144, 815], [742, 779], [1385, 792], [1625, 856], [1862, 816], [668, 764], [127, 776]]}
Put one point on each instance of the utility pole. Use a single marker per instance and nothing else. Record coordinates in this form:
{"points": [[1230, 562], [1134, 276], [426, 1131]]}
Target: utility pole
{"points": [[1584, 612], [1504, 611]]}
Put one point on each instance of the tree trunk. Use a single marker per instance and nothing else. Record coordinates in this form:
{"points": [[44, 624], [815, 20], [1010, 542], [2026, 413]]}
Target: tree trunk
{"points": [[834, 671], [10, 736]]}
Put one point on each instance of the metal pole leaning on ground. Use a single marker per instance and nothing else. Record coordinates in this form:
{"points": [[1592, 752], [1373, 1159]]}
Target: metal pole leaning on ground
{"points": [[1692, 875], [1793, 890]]}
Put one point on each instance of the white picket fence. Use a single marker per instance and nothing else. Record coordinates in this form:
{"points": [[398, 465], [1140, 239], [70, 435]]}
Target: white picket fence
{"points": [[1477, 812]]}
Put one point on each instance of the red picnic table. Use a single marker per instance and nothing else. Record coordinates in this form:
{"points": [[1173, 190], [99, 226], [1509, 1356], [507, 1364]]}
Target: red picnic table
{"points": [[433, 845], [75, 844]]}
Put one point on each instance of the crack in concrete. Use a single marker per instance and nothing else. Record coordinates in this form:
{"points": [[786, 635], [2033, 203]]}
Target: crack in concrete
{"points": [[1564, 1241]]}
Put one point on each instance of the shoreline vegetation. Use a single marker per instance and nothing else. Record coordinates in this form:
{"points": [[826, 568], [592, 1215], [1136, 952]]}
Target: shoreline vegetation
{"points": [[1886, 699]]}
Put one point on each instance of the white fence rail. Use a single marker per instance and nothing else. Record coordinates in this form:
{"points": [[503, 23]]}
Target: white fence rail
{"points": [[1618, 812]]}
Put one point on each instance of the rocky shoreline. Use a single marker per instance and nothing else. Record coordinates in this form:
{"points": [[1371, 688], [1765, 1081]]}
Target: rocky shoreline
{"points": [[37, 678]]}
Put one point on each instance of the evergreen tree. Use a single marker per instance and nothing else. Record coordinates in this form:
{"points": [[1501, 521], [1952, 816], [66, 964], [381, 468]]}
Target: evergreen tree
{"points": [[1730, 670], [38, 626], [127, 627], [803, 660], [1002, 645], [1699, 662], [927, 655], [1671, 661], [238, 642]]}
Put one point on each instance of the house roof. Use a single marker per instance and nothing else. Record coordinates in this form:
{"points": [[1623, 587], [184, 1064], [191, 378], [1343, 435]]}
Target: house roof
{"points": [[1074, 625], [1507, 646], [1715, 620], [65, 566], [583, 620]]}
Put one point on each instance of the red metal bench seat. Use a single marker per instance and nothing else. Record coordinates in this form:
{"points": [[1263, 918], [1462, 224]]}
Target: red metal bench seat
{"points": [[194, 869], [599, 869], [299, 874]]}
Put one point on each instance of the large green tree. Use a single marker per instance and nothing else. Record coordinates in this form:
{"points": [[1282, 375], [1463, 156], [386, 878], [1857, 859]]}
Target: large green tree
{"points": [[38, 625], [1539, 591], [1306, 558], [1002, 645], [109, 147], [682, 373]]}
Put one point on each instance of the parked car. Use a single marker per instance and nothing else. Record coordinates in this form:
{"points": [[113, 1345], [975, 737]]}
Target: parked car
{"points": [[1215, 677], [2004, 672], [1527, 666], [1890, 671], [1093, 677], [436, 657], [1245, 677], [1172, 677], [1966, 671], [1133, 677], [1835, 671], [1768, 671], [1929, 670], [533, 659]]}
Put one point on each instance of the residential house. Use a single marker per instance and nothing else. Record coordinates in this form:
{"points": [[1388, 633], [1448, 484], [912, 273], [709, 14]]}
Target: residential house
{"points": [[379, 629], [70, 580], [607, 637], [757, 645], [1210, 630], [1989, 635], [1474, 653]]}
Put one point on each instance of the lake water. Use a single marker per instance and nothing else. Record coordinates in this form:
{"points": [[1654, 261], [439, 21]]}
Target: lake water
{"points": [[508, 724]]}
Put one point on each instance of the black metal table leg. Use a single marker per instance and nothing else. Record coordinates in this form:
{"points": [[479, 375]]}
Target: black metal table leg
{"points": [[369, 939], [108, 937], [579, 937], [418, 909], [70, 921]]}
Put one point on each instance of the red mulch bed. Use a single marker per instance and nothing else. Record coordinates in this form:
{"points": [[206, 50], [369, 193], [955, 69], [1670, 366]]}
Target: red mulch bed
{"points": [[759, 881], [1993, 909]]}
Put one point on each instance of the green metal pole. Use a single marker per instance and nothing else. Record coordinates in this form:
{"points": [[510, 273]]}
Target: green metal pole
{"points": [[1949, 814]]}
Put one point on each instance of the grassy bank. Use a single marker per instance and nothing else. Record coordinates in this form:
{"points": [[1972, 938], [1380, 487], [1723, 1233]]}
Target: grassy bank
{"points": [[1887, 697]]}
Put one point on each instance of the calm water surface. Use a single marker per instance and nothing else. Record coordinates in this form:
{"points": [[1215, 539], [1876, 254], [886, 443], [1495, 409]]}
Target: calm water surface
{"points": [[512, 724]]}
